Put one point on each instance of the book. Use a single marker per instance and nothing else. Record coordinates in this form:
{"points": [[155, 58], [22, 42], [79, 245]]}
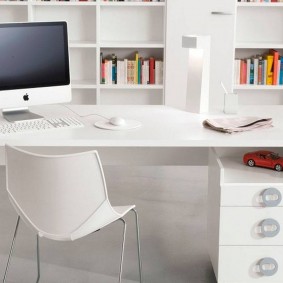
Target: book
{"points": [[260, 71], [243, 72], [275, 55], [102, 78], [269, 67], [158, 72], [281, 72], [256, 71], [237, 71], [248, 70], [136, 68], [131, 71], [264, 75], [252, 72], [114, 69], [151, 70]]}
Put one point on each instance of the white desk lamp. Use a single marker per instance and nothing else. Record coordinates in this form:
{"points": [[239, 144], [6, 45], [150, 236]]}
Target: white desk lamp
{"points": [[197, 100]]}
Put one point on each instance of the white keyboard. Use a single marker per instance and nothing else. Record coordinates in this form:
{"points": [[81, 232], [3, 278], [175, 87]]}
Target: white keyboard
{"points": [[32, 126]]}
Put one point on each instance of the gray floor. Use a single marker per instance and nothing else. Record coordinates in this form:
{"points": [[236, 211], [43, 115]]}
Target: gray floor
{"points": [[171, 202]]}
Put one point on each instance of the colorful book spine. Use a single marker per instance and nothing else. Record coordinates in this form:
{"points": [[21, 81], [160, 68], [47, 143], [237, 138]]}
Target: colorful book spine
{"points": [[114, 69], [252, 73], [260, 71], [248, 70], [275, 54], [137, 68], [243, 72], [269, 73], [136, 71], [151, 70], [281, 72]]}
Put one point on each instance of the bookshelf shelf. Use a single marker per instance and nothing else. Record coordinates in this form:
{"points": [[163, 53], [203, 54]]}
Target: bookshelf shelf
{"points": [[134, 4], [13, 3], [145, 87], [262, 5], [258, 87], [82, 44], [120, 28], [132, 44], [259, 45], [62, 3], [83, 84]]}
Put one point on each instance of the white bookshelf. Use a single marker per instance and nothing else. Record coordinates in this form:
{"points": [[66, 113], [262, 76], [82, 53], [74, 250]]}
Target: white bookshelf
{"points": [[256, 33], [92, 29]]}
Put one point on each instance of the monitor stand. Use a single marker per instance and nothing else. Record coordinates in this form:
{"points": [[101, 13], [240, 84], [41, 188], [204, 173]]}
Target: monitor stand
{"points": [[19, 114]]}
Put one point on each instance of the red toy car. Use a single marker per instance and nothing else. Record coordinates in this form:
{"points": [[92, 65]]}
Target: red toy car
{"points": [[264, 158]]}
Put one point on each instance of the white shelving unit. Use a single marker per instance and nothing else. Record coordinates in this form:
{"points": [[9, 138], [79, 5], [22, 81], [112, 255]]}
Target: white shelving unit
{"points": [[109, 27], [258, 29]]}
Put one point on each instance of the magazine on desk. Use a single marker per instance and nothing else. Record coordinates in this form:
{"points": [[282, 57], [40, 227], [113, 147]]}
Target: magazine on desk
{"points": [[238, 124]]}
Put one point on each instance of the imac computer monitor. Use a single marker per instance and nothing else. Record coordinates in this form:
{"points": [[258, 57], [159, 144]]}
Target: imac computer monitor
{"points": [[34, 67]]}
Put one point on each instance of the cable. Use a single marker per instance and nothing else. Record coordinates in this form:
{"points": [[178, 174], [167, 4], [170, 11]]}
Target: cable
{"points": [[83, 116]]}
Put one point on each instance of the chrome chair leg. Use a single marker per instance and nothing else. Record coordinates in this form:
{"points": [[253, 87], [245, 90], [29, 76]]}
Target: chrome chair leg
{"points": [[11, 250], [123, 249], [138, 244], [37, 258]]}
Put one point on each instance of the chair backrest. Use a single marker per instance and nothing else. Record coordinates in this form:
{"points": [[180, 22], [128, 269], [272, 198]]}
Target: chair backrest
{"points": [[55, 194]]}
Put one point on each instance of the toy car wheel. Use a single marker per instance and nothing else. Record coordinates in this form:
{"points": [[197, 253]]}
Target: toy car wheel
{"points": [[278, 167], [251, 163]]}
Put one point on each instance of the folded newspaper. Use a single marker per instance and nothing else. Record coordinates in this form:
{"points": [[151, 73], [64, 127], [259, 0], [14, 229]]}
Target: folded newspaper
{"points": [[239, 124]]}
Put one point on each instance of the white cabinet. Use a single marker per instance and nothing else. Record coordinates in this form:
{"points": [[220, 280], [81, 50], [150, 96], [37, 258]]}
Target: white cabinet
{"points": [[121, 28], [258, 29], [244, 221]]}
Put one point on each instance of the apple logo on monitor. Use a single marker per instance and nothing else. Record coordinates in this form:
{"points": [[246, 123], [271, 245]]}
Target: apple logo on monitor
{"points": [[25, 97]]}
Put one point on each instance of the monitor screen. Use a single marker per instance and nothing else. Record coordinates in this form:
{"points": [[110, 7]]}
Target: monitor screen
{"points": [[33, 55]]}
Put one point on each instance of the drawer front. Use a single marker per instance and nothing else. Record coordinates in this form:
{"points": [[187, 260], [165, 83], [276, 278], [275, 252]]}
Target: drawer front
{"points": [[251, 226], [242, 264], [251, 195]]}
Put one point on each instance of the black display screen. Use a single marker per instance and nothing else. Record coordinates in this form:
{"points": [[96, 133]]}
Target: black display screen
{"points": [[33, 55]]}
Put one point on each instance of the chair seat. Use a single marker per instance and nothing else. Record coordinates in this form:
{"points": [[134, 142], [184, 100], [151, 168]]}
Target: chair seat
{"points": [[123, 210], [105, 215]]}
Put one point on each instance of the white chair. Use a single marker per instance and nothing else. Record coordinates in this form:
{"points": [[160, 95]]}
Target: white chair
{"points": [[62, 197]]}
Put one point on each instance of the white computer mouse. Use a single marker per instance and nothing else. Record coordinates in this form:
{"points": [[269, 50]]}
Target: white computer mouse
{"points": [[117, 121]]}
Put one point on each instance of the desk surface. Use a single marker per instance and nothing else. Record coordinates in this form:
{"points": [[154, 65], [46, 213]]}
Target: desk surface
{"points": [[162, 127]]}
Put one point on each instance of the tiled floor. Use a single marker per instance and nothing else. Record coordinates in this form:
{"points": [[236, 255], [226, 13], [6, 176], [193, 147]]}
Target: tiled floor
{"points": [[171, 202]]}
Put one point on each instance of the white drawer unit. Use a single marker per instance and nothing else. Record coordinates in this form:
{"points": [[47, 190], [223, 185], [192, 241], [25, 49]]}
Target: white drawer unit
{"points": [[245, 221], [242, 264], [251, 226], [262, 195]]}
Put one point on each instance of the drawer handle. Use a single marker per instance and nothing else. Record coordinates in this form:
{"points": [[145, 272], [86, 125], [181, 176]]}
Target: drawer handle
{"points": [[270, 228], [221, 13], [268, 266], [271, 197]]}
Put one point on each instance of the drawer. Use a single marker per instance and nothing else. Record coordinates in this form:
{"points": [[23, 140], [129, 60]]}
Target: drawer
{"points": [[241, 264], [252, 195], [251, 226]]}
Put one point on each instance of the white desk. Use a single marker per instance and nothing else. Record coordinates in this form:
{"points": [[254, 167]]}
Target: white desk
{"points": [[162, 127], [168, 128]]}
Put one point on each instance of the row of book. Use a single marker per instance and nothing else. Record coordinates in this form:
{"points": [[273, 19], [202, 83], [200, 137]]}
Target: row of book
{"points": [[133, 0], [130, 71], [266, 1], [264, 69]]}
